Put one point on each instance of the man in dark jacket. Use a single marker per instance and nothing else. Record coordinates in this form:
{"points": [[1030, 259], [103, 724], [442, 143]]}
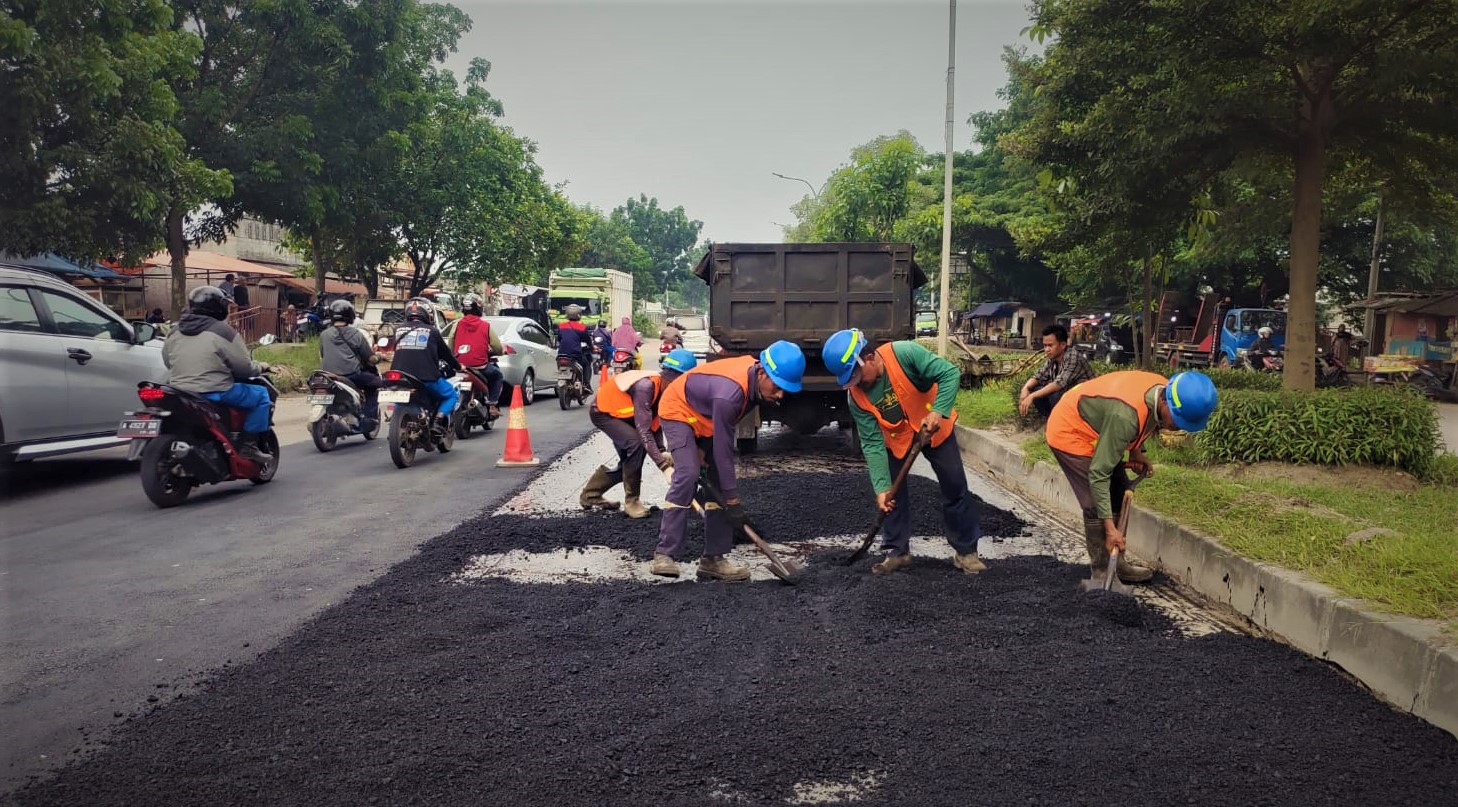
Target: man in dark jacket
{"points": [[572, 341], [420, 351], [207, 358], [345, 350]]}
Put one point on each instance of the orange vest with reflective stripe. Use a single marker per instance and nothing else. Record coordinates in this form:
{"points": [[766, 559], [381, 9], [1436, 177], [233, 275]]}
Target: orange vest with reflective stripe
{"points": [[615, 401], [1070, 433], [674, 404], [915, 405]]}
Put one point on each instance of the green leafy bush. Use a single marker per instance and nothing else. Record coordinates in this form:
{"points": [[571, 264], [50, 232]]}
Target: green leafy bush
{"points": [[1325, 427]]}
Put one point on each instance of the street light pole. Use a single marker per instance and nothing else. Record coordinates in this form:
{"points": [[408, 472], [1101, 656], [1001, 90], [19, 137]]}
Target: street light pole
{"points": [[944, 305], [813, 192]]}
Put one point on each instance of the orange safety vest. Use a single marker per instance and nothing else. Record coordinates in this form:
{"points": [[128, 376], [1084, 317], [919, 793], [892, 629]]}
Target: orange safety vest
{"points": [[612, 393], [674, 404], [915, 405], [1070, 433]]}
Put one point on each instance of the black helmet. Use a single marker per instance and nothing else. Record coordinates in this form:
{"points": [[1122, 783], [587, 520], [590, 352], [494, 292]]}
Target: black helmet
{"points": [[417, 310], [473, 304], [209, 300], [342, 311]]}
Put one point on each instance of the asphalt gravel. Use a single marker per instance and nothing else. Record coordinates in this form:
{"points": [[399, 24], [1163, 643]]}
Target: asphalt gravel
{"points": [[927, 687]]}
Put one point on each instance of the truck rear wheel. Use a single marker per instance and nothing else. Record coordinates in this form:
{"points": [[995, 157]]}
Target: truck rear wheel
{"points": [[747, 445]]}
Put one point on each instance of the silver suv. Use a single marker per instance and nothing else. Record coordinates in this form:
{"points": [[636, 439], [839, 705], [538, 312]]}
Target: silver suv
{"points": [[69, 367]]}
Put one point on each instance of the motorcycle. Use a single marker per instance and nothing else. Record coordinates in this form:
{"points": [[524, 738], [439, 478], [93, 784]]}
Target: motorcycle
{"points": [[184, 440], [336, 409], [311, 322], [412, 419], [1270, 361], [473, 410], [600, 348], [569, 382], [1432, 384], [1330, 372], [624, 360]]}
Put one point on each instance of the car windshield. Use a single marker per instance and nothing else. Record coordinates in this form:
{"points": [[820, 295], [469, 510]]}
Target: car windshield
{"points": [[589, 305], [691, 324], [1252, 321]]}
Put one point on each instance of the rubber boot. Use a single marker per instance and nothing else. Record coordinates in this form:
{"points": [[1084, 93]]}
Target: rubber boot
{"points": [[1098, 555], [632, 489], [602, 479], [719, 567]]}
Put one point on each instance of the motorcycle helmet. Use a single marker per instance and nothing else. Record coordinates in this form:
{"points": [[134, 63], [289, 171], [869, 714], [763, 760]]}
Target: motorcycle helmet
{"points": [[473, 304], [208, 300], [1265, 330], [418, 310], [342, 311], [574, 312]]}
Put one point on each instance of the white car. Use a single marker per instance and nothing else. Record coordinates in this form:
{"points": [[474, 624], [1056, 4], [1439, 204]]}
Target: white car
{"points": [[69, 367], [694, 331], [531, 357]]}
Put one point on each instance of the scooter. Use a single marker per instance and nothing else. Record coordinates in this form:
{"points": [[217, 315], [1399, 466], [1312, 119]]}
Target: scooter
{"points": [[624, 360], [336, 409], [184, 440], [412, 423], [569, 382]]}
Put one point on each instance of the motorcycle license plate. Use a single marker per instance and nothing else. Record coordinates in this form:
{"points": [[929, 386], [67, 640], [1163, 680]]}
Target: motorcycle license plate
{"points": [[394, 396], [139, 427], [321, 399]]}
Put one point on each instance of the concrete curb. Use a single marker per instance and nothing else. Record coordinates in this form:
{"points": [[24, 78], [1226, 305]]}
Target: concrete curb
{"points": [[1403, 660]]}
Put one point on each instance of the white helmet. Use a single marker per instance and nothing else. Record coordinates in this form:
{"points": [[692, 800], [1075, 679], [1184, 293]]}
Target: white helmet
{"points": [[1265, 330]]}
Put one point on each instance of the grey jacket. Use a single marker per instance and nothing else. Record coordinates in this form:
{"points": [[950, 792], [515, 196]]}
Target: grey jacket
{"points": [[344, 349], [206, 355]]}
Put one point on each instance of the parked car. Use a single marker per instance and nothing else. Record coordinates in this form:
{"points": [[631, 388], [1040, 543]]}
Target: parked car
{"points": [[531, 358], [694, 332], [69, 367]]}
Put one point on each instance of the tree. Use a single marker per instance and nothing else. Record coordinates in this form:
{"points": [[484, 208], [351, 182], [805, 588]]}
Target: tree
{"points": [[89, 132], [609, 244], [667, 236], [864, 201], [1174, 94]]}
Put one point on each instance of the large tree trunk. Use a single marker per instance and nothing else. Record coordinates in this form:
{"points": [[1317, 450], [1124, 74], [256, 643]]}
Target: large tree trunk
{"points": [[321, 268], [1310, 158], [177, 251]]}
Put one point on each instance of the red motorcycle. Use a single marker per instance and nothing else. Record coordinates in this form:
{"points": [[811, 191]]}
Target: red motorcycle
{"points": [[184, 440]]}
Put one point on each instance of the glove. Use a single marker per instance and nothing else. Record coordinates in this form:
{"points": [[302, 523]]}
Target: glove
{"points": [[264, 367], [666, 464], [735, 513]]}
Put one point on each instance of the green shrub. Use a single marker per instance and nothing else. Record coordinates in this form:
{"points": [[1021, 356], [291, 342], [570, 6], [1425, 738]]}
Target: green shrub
{"points": [[1325, 427], [1444, 471]]}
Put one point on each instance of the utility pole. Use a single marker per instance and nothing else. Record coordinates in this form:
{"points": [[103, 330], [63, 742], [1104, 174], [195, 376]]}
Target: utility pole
{"points": [[1369, 320], [944, 323]]}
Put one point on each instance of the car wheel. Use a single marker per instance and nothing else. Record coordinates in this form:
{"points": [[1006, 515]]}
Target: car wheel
{"points": [[528, 388]]}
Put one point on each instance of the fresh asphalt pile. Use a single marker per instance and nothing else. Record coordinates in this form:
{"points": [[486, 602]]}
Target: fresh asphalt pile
{"points": [[927, 687]]}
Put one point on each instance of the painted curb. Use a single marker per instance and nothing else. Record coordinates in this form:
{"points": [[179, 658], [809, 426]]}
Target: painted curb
{"points": [[1403, 660]]}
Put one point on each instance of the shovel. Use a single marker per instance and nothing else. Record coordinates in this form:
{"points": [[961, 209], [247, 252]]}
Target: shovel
{"points": [[916, 445], [1110, 581], [786, 570]]}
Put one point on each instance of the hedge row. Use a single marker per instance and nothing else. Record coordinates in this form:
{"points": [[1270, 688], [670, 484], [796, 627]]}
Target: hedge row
{"points": [[1327, 427], [1224, 379]]}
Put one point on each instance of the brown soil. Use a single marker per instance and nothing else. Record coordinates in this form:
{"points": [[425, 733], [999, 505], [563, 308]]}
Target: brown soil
{"points": [[1353, 477]]}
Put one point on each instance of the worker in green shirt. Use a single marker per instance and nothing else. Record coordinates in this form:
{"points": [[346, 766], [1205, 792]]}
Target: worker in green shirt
{"points": [[897, 390]]}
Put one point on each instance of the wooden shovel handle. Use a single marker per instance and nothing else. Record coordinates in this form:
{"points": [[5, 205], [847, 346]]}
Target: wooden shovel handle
{"points": [[917, 444]]}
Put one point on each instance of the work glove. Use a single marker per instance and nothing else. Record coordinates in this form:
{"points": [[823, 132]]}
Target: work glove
{"points": [[666, 464], [735, 513]]}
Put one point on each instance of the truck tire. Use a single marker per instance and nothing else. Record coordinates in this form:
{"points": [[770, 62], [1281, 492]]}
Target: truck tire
{"points": [[747, 445]]}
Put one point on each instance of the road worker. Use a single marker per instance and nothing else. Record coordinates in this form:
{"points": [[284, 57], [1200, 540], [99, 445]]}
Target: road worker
{"points": [[700, 411], [1099, 420], [626, 411], [895, 391]]}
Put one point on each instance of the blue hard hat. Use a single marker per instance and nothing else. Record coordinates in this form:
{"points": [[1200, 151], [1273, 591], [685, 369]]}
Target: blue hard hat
{"points": [[784, 363], [1191, 397], [680, 361], [841, 352]]}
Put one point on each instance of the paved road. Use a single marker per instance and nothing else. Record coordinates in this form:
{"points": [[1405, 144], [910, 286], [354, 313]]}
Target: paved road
{"points": [[108, 601]]}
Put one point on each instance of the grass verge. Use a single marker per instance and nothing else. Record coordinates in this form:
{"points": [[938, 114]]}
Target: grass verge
{"points": [[986, 406], [300, 358], [1407, 561]]}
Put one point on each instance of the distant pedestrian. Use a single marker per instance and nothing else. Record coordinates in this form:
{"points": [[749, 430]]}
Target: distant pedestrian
{"points": [[226, 287], [156, 317], [290, 322], [240, 295], [1063, 370], [1341, 344]]}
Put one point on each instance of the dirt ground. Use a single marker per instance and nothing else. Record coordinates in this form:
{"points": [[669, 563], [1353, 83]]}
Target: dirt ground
{"points": [[928, 687]]}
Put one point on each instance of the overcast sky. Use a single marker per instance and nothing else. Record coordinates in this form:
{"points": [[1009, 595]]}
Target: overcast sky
{"points": [[696, 102]]}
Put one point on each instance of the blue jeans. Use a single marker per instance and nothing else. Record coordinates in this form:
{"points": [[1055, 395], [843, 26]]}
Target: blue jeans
{"points": [[445, 393], [249, 397]]}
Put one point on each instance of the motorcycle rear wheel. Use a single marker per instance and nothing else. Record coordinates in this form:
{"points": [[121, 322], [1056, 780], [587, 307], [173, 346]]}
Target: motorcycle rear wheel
{"points": [[268, 441], [448, 439], [563, 399], [402, 448], [161, 487], [322, 432]]}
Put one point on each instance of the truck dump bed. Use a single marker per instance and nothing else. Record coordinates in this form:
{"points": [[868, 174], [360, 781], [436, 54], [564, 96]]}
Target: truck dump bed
{"points": [[760, 293]]}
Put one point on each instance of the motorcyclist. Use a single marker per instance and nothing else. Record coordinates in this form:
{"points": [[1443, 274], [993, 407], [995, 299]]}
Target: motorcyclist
{"points": [[626, 411], [420, 351], [206, 357], [602, 340], [1256, 355], [572, 341], [474, 343], [670, 334], [345, 351]]}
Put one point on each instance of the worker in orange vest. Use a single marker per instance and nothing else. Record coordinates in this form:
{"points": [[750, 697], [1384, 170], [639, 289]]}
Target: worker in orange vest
{"points": [[896, 390], [700, 412], [625, 410], [1092, 427]]}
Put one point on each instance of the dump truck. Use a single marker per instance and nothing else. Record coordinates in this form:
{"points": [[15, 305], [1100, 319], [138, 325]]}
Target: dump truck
{"points": [[761, 293], [603, 293]]}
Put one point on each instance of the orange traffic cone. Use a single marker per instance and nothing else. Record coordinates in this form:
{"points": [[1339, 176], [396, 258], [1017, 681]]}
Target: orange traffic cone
{"points": [[517, 453]]}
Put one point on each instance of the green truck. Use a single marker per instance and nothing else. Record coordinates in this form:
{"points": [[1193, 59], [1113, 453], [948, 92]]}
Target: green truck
{"points": [[604, 294]]}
